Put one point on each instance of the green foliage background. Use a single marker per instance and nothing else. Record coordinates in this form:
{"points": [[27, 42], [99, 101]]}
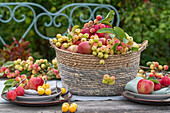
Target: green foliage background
{"points": [[144, 21]]}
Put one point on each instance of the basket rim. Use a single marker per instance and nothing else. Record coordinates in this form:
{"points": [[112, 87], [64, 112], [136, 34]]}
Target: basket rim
{"points": [[141, 48]]}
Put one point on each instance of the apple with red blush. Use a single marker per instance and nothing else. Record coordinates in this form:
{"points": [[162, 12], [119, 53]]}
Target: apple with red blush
{"points": [[73, 48], [85, 48], [20, 91], [34, 82], [11, 95], [145, 86]]}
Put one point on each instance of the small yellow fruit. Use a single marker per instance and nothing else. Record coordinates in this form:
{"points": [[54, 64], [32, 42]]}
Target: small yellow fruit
{"points": [[22, 85], [102, 62], [63, 90], [74, 104], [72, 108], [141, 71], [152, 66], [65, 108], [41, 91], [47, 85], [139, 74], [48, 91], [58, 44], [66, 104], [44, 87], [59, 36]]}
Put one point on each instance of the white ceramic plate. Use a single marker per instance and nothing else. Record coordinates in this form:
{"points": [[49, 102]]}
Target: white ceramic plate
{"points": [[33, 92], [153, 101], [151, 97], [36, 97]]}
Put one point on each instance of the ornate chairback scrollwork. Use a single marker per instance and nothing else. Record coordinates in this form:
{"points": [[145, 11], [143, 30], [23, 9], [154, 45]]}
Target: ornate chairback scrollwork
{"points": [[53, 16]]}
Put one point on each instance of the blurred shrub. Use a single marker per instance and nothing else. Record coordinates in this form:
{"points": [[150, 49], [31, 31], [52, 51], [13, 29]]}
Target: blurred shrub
{"points": [[15, 51], [151, 22], [143, 20]]}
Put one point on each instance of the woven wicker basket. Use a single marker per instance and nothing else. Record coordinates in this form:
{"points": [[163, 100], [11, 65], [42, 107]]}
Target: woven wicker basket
{"points": [[82, 74]]}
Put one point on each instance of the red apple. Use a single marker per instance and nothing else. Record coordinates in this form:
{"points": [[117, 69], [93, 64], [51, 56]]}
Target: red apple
{"points": [[100, 35], [107, 26], [76, 42], [23, 76], [12, 95], [165, 81], [145, 86], [84, 47], [20, 91], [165, 67], [62, 47], [117, 41], [34, 82], [160, 80], [156, 64], [73, 48], [26, 86], [4, 75], [107, 36], [96, 27], [157, 87], [3, 69], [86, 30], [103, 40]]}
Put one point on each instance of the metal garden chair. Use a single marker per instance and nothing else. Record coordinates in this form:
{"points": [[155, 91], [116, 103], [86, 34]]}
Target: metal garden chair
{"points": [[53, 16]]}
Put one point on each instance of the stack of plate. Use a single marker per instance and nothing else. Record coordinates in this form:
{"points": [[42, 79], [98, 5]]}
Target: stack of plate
{"points": [[32, 98], [163, 99]]}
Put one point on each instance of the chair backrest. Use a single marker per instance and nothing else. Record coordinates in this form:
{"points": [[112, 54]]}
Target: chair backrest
{"points": [[53, 16]]}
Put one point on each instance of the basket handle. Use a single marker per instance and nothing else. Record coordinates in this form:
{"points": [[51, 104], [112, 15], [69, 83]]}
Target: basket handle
{"points": [[143, 45]]}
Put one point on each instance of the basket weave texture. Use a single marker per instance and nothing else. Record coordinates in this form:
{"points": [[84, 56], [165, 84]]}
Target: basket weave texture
{"points": [[82, 74]]}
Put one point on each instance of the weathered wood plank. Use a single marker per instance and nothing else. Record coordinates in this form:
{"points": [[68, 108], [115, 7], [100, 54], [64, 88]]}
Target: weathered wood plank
{"points": [[90, 107]]}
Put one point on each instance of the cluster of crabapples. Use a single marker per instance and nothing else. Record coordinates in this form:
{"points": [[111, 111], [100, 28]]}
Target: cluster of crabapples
{"points": [[38, 67], [108, 80], [157, 72], [44, 89], [88, 41], [53, 73], [71, 108], [34, 67], [34, 83]]}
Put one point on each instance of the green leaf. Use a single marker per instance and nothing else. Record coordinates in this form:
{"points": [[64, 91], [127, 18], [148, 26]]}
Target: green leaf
{"points": [[14, 83], [23, 72], [8, 64], [115, 47], [120, 33], [152, 79], [6, 88], [69, 36], [9, 82], [106, 22], [109, 16], [112, 35], [106, 30], [1, 74], [135, 48], [125, 40], [75, 27], [28, 74], [155, 81]]}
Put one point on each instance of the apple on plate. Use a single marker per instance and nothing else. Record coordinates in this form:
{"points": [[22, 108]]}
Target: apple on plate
{"points": [[34, 82], [145, 86]]}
